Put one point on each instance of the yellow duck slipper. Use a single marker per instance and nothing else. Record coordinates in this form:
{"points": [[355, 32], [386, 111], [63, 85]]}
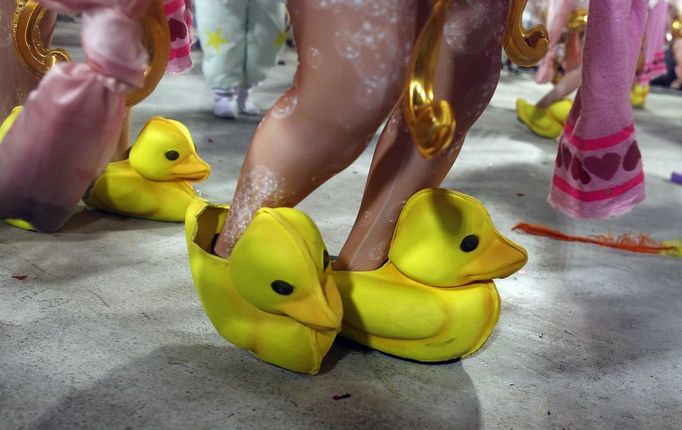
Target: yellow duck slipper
{"points": [[9, 121], [560, 110], [155, 182], [538, 120], [275, 296], [4, 128], [638, 95], [434, 299]]}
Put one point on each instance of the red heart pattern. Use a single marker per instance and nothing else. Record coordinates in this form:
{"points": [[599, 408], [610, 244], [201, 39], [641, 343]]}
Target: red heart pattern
{"points": [[604, 167], [579, 173], [178, 29], [632, 157]]}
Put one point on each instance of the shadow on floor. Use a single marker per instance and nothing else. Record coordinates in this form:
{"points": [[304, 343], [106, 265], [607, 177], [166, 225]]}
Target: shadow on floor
{"points": [[204, 386]]}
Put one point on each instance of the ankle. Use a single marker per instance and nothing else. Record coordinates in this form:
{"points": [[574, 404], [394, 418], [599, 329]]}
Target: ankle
{"points": [[221, 247], [246, 104], [225, 103]]}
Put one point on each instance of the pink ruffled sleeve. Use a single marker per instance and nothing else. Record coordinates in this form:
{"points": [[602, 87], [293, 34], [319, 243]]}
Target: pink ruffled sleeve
{"points": [[179, 14], [598, 172]]}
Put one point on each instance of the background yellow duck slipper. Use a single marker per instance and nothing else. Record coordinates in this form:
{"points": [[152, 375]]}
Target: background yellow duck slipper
{"points": [[434, 299], [560, 110], [638, 95], [275, 296], [538, 120], [155, 182]]}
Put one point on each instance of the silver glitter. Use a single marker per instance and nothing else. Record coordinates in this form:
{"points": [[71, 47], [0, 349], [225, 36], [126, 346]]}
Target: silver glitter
{"points": [[286, 105], [314, 57], [379, 252], [260, 187]]}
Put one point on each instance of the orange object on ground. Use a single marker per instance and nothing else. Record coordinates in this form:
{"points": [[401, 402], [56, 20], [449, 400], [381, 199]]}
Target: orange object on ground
{"points": [[643, 244]]}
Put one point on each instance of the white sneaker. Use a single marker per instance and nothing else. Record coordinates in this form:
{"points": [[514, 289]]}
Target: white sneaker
{"points": [[246, 105], [225, 104]]}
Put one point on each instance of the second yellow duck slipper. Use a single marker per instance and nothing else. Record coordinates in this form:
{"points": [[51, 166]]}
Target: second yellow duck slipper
{"points": [[275, 296], [538, 120], [155, 182], [434, 299], [560, 110]]}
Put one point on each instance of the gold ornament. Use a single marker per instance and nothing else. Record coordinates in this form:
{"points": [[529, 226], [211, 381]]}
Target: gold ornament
{"points": [[524, 47], [431, 122], [28, 40]]}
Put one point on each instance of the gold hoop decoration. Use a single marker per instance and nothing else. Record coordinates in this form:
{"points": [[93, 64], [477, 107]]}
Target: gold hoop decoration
{"points": [[524, 47], [38, 59], [577, 21], [431, 122], [156, 38], [28, 41]]}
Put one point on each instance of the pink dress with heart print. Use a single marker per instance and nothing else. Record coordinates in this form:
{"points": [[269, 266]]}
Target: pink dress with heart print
{"points": [[598, 171]]}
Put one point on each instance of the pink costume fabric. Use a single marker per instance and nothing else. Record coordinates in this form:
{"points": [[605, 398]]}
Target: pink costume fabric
{"points": [[179, 13], [71, 123], [558, 12], [598, 170], [654, 44]]}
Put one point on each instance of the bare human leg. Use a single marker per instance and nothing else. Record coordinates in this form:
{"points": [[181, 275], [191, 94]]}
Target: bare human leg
{"points": [[467, 76], [569, 83], [352, 58]]}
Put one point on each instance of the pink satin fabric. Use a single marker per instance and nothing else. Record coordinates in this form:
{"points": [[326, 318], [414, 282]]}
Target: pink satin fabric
{"points": [[71, 123], [598, 170]]}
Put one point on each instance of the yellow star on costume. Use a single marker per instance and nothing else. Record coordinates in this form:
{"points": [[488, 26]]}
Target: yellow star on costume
{"points": [[281, 39], [216, 39]]}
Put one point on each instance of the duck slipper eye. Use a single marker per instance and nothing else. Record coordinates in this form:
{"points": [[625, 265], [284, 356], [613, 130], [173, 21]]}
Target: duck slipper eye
{"points": [[325, 260], [282, 288], [469, 243], [172, 155]]}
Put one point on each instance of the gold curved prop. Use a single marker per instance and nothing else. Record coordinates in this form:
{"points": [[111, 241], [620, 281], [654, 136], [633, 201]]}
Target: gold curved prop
{"points": [[156, 39], [431, 122], [28, 40], [38, 59], [524, 47]]}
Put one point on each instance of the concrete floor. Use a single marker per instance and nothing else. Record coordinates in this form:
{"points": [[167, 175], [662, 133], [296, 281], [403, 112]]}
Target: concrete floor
{"points": [[107, 332]]}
